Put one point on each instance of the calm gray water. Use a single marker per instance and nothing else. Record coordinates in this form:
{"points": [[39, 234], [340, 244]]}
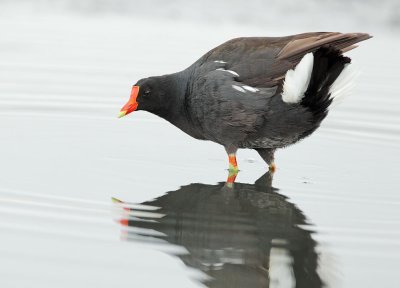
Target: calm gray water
{"points": [[329, 218]]}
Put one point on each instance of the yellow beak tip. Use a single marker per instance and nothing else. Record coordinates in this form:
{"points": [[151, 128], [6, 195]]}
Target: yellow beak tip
{"points": [[121, 114]]}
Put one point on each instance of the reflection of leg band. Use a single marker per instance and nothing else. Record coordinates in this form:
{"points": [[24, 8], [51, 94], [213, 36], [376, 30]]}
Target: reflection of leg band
{"points": [[231, 179], [124, 222]]}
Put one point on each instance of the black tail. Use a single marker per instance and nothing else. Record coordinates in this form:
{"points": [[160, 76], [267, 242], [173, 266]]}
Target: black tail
{"points": [[328, 64]]}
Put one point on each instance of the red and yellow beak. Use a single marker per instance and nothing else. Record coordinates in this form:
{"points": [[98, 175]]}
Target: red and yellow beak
{"points": [[132, 104]]}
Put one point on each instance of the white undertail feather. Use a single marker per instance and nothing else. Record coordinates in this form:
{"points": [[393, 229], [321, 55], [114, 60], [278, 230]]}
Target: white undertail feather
{"points": [[297, 80], [344, 84]]}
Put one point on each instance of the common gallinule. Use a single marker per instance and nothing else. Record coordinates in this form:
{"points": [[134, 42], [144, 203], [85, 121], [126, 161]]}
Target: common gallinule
{"points": [[261, 93]]}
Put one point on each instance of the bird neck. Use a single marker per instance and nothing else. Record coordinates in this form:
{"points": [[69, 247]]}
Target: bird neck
{"points": [[173, 99]]}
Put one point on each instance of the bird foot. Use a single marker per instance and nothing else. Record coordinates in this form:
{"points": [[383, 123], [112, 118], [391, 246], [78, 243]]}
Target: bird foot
{"points": [[233, 167]]}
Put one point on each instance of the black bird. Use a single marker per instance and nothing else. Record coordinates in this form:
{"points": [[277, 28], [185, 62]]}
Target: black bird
{"points": [[261, 93], [231, 234]]}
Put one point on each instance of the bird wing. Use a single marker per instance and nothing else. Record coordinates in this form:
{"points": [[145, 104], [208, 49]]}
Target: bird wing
{"points": [[223, 108], [233, 85], [264, 61]]}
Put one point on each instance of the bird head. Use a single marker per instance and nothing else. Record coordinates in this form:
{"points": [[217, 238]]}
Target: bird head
{"points": [[145, 95]]}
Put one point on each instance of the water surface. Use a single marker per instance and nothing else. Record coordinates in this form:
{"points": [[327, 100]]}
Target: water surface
{"points": [[243, 236], [331, 219]]}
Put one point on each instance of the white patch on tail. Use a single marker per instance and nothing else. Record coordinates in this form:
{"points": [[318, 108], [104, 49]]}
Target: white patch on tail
{"points": [[297, 80], [344, 84]]}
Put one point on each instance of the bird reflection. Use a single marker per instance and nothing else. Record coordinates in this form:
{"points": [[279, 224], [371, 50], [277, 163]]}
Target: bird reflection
{"points": [[247, 235]]}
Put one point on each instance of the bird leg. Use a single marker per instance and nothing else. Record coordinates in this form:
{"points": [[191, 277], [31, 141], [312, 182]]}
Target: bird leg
{"points": [[231, 150], [268, 156], [233, 170], [233, 167]]}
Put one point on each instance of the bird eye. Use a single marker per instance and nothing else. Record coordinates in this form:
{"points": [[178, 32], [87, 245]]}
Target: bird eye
{"points": [[147, 92]]}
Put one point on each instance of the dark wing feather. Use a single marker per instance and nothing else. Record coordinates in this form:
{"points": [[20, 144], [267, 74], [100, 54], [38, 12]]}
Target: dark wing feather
{"points": [[264, 61], [228, 116]]}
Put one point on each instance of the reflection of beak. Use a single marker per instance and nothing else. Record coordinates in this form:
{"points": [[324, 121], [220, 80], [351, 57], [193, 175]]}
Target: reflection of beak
{"points": [[121, 114]]}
